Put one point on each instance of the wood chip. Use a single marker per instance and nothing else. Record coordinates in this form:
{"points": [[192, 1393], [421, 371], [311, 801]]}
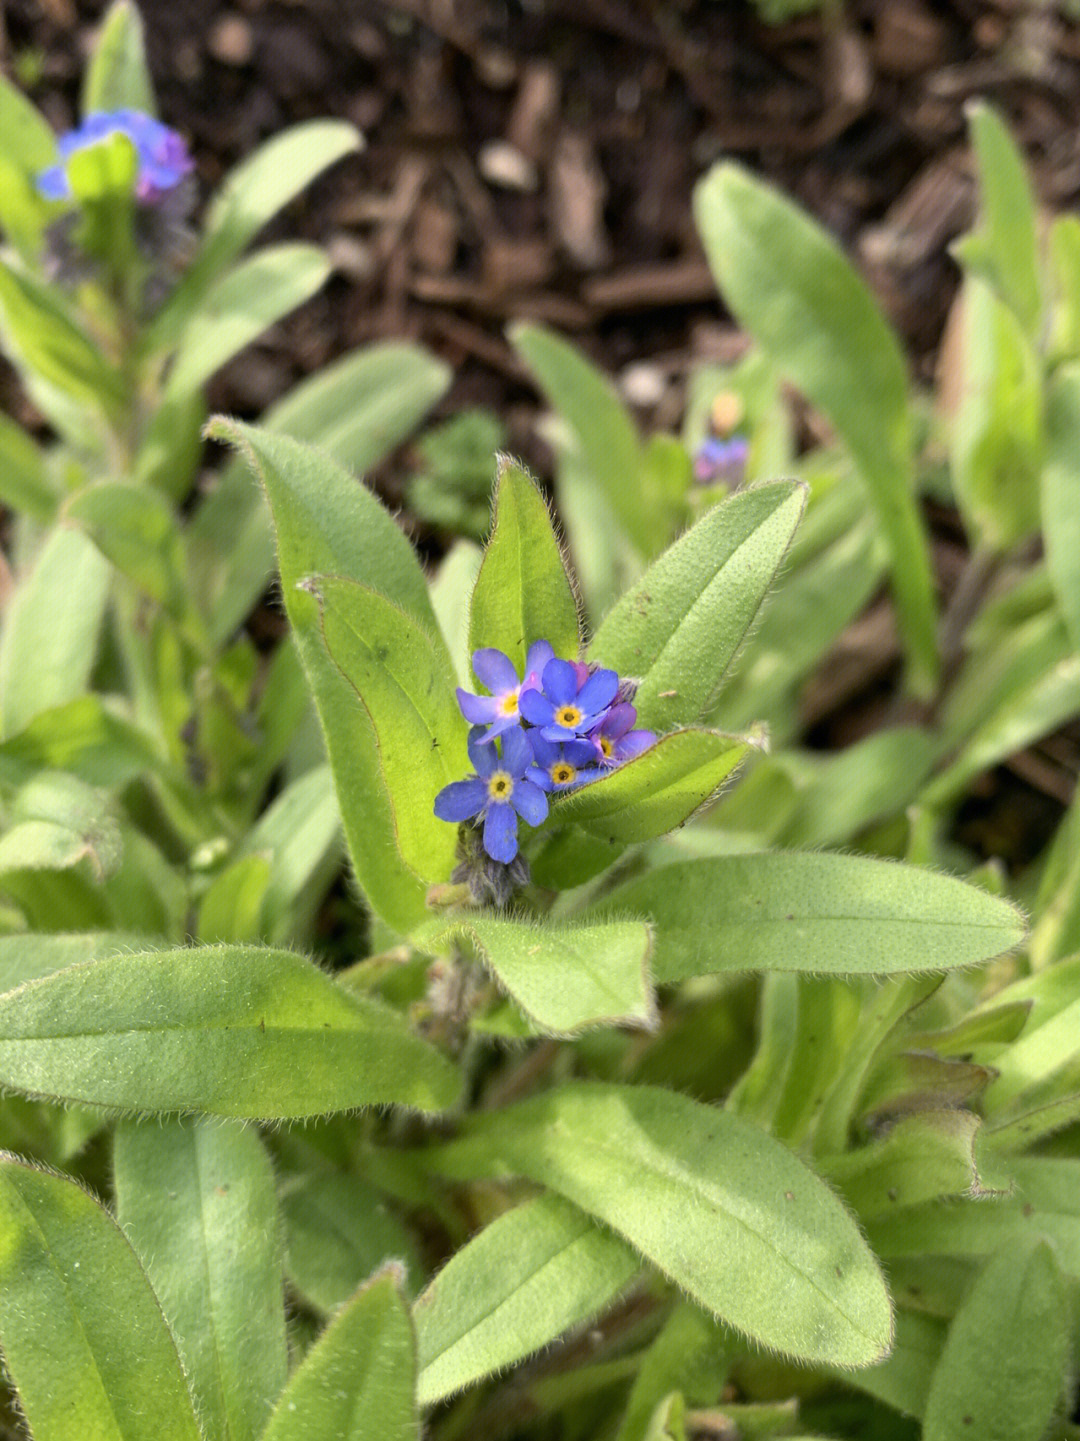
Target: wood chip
{"points": [[577, 194]]}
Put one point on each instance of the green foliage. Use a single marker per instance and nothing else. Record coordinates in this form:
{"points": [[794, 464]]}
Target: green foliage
{"points": [[737, 1062]]}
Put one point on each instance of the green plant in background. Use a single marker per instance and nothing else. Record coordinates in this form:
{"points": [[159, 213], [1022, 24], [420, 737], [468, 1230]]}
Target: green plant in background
{"points": [[748, 1112]]}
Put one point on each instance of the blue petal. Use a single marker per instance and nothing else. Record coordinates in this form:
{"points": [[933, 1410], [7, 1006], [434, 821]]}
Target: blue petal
{"points": [[500, 833], [579, 752], [460, 800], [560, 681], [545, 751], [634, 743], [500, 726], [53, 183], [540, 652], [483, 757], [540, 778], [516, 752], [536, 708], [558, 734], [478, 710], [598, 691], [530, 802], [494, 670], [584, 777]]}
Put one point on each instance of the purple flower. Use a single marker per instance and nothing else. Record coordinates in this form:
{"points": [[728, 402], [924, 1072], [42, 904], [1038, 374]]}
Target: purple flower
{"points": [[572, 702], [499, 791], [721, 460], [163, 159], [616, 740], [499, 711], [560, 766]]}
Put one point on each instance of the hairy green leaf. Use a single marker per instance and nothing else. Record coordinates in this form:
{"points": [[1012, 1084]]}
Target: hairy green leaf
{"points": [[82, 1333], [844, 915], [522, 593], [213, 1255], [681, 625], [230, 1030], [732, 1216]]}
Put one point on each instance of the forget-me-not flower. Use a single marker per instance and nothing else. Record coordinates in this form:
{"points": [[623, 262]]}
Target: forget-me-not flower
{"points": [[615, 739], [163, 159], [500, 711], [559, 766], [500, 791], [572, 701]]}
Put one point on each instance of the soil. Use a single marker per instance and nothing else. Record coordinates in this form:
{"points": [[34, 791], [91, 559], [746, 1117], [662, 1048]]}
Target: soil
{"points": [[535, 159]]}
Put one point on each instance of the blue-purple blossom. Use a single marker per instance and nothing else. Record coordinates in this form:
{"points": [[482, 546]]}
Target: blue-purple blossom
{"points": [[721, 460], [615, 739], [560, 766], [499, 711], [572, 701], [499, 792], [163, 159]]}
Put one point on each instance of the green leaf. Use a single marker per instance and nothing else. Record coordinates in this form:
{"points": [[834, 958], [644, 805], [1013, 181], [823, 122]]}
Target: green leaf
{"points": [[996, 444], [357, 410], [403, 679], [681, 625], [903, 1379], [787, 283], [252, 194], [530, 1275], [1004, 244], [50, 636], [922, 1158], [213, 1256], [27, 957], [102, 180], [300, 835], [871, 780], [28, 138], [602, 428], [357, 1382], [450, 592], [135, 528], [1061, 495], [732, 1216], [83, 1337], [1006, 1356], [58, 821], [523, 592], [1065, 270], [117, 77], [247, 301], [44, 340], [826, 914], [24, 479], [1046, 1203], [657, 790], [565, 978], [328, 522], [230, 1030], [338, 1232], [690, 1356], [231, 907]]}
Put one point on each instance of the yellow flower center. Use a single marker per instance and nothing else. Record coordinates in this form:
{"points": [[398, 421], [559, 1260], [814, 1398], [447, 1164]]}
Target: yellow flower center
{"points": [[568, 716], [500, 785], [562, 773], [607, 746], [508, 704]]}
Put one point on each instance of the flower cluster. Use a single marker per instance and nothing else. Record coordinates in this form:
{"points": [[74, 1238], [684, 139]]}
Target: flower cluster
{"points": [[559, 726], [163, 159]]}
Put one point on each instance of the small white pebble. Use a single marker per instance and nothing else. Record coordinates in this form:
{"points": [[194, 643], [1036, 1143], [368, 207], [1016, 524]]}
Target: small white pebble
{"points": [[503, 165]]}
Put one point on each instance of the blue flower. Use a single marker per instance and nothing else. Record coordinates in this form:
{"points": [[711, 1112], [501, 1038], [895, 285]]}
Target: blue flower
{"points": [[499, 791], [724, 460], [616, 741], [558, 767], [572, 702], [499, 711], [163, 158]]}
